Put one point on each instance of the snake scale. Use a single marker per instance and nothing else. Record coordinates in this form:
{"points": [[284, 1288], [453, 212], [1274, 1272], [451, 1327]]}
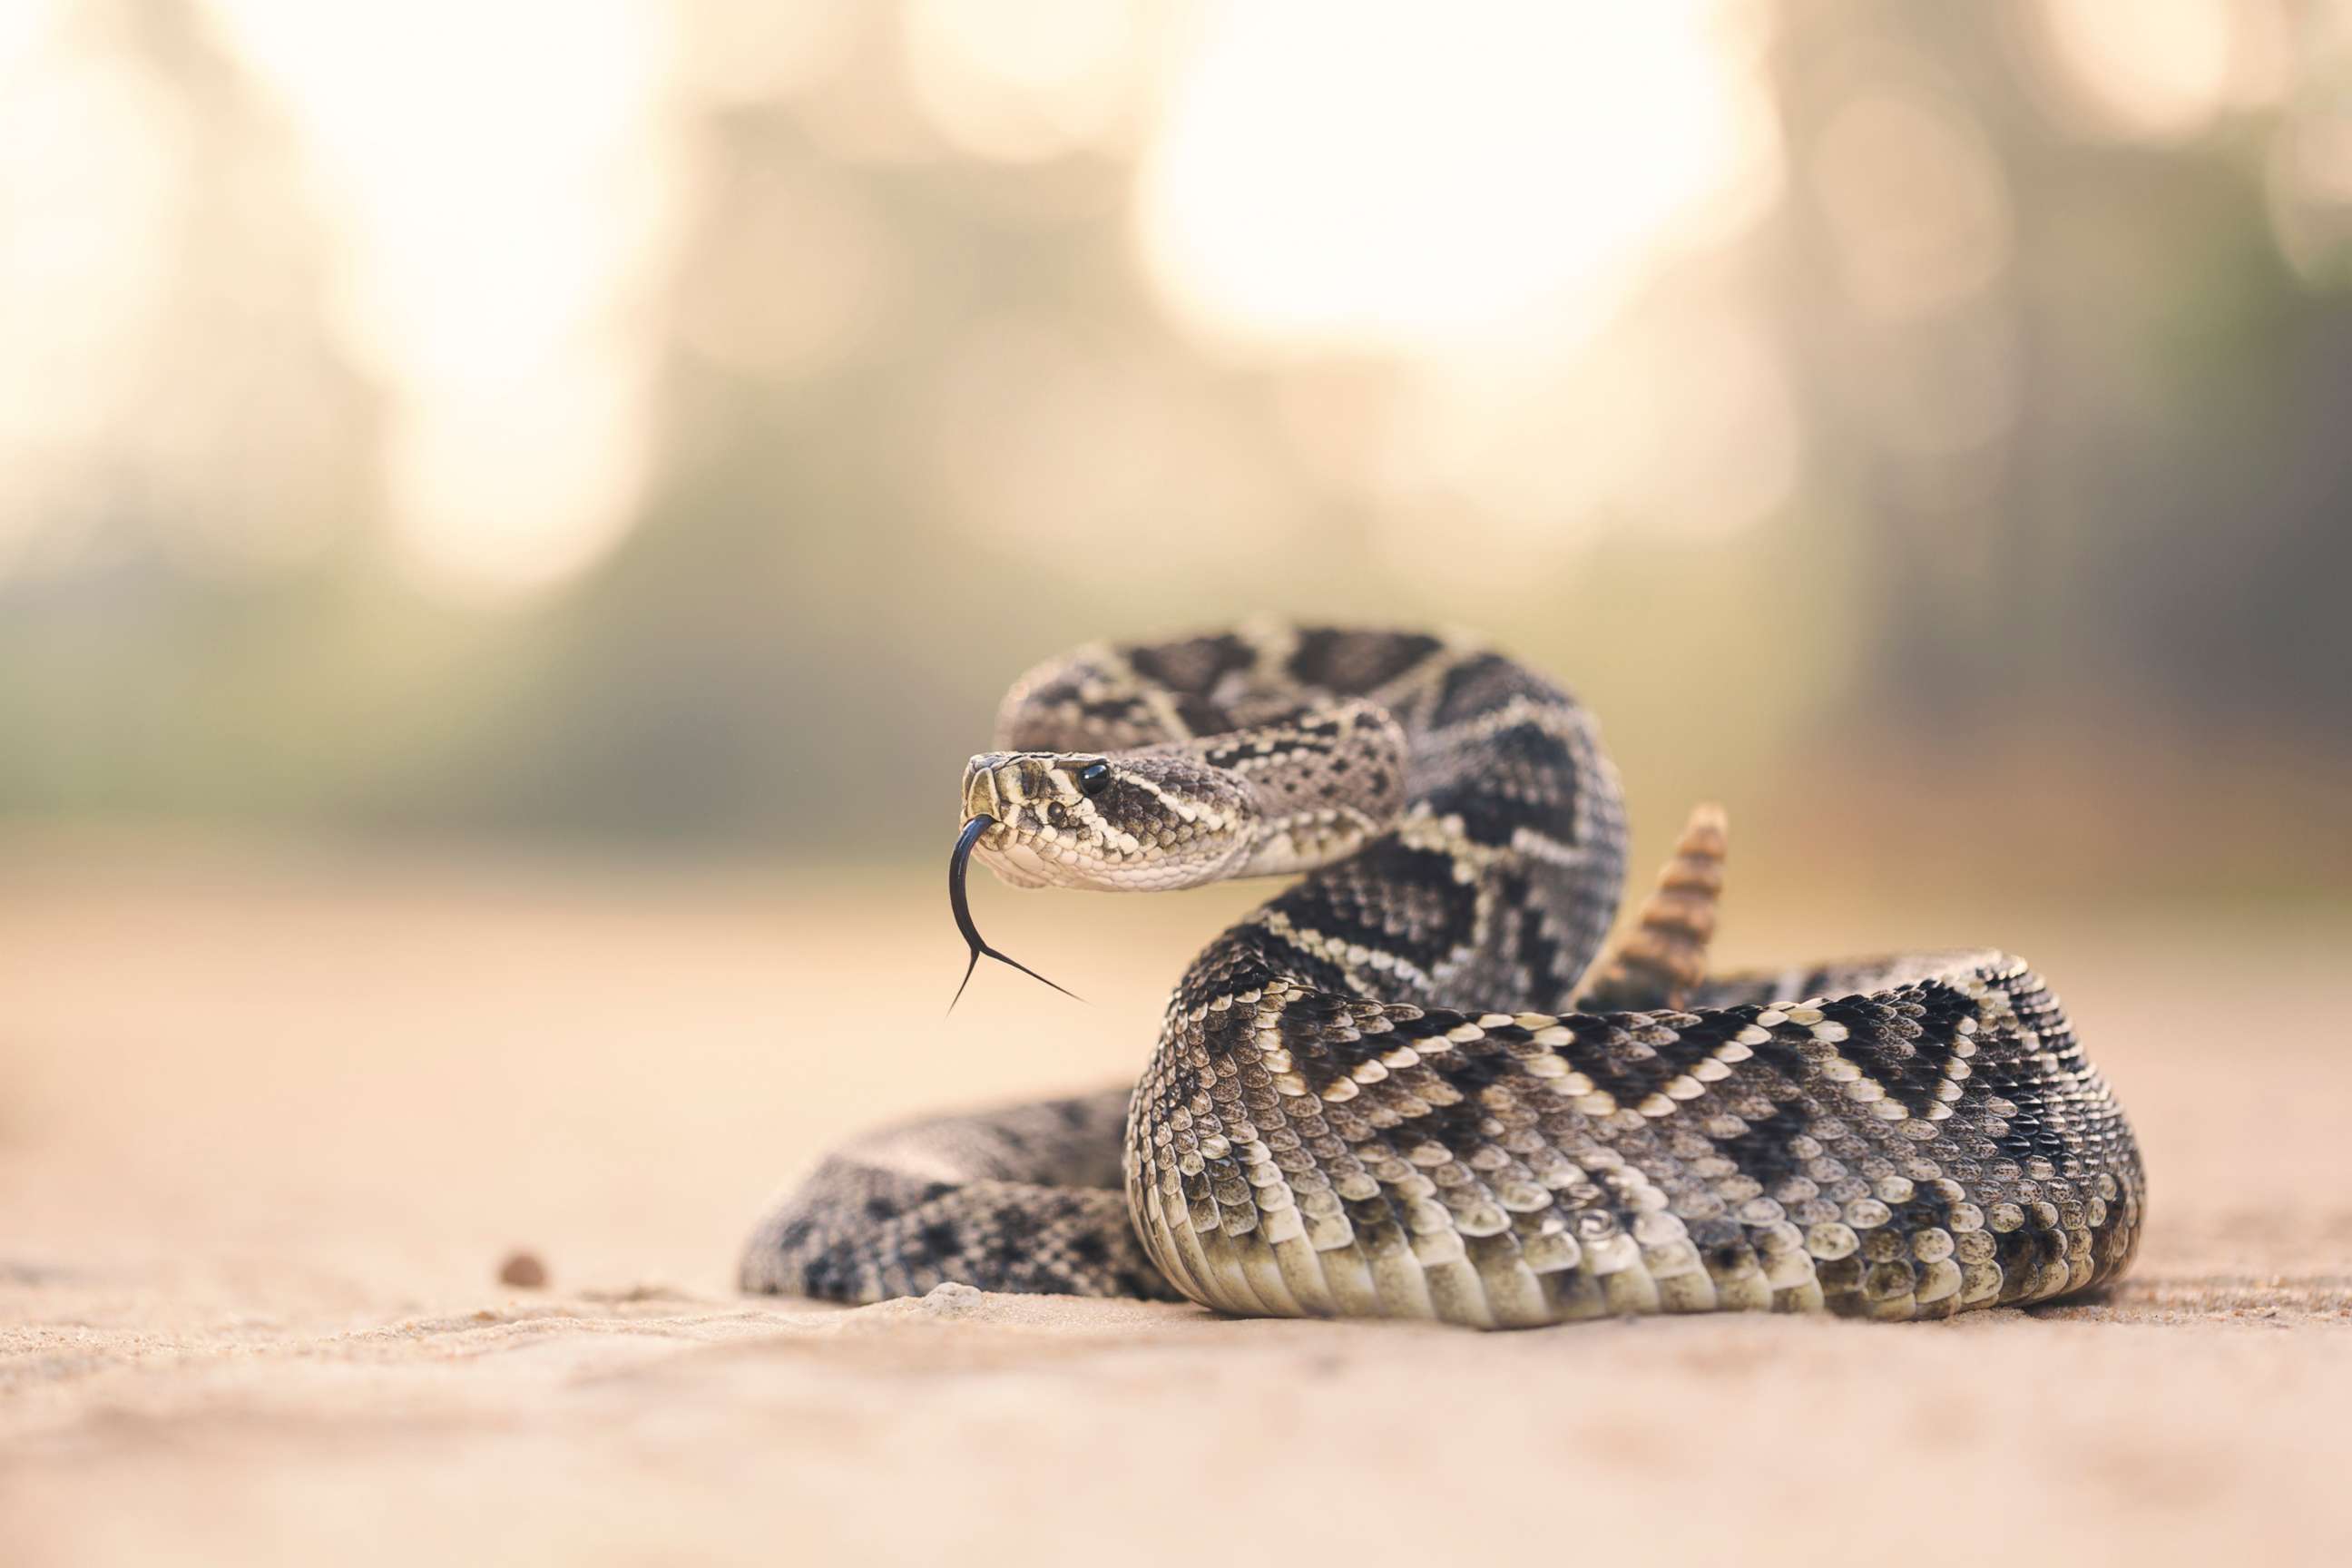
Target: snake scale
{"points": [[1404, 1088]]}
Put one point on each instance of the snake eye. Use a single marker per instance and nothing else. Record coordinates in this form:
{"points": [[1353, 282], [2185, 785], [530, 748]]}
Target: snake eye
{"points": [[1094, 778]]}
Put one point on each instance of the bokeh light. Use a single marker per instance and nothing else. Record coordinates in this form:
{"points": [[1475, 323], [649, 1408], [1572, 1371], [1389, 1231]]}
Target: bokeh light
{"points": [[747, 53], [1411, 178], [493, 256], [1024, 80], [93, 189], [1914, 199], [2159, 70]]}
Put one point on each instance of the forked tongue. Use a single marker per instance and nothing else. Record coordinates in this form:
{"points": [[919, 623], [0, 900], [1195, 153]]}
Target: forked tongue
{"points": [[957, 864]]}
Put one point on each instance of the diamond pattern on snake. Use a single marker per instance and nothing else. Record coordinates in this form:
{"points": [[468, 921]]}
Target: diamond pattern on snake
{"points": [[1409, 1085]]}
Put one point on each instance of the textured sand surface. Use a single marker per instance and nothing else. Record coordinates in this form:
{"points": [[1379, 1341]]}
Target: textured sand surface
{"points": [[265, 1139]]}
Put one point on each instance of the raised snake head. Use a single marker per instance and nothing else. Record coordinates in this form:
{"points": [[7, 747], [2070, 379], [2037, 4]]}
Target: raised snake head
{"points": [[1289, 794], [1138, 821]]}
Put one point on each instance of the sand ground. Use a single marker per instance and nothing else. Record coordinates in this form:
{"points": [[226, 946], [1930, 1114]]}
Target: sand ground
{"points": [[266, 1135]]}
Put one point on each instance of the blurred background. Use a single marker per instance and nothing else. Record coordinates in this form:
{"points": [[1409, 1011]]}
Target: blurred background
{"points": [[616, 422], [636, 441]]}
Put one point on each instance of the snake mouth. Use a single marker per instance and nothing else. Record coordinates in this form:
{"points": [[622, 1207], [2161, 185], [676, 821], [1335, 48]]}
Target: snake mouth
{"points": [[960, 905]]}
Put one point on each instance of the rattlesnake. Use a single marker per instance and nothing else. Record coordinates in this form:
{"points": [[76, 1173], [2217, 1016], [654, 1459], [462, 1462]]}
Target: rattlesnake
{"points": [[1383, 1095]]}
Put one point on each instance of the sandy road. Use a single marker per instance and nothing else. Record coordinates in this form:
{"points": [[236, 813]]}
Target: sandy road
{"points": [[264, 1138]]}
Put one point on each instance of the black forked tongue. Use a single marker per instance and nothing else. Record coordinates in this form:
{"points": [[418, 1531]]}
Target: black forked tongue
{"points": [[957, 864]]}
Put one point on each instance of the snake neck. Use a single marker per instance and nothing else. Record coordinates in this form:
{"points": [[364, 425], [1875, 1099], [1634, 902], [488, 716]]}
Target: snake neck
{"points": [[1463, 843], [1321, 784]]}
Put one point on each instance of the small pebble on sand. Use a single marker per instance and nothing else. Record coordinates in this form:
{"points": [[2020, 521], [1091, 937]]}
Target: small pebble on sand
{"points": [[523, 1270]]}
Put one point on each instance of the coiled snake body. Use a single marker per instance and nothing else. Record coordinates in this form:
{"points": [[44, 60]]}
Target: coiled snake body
{"points": [[1384, 1094]]}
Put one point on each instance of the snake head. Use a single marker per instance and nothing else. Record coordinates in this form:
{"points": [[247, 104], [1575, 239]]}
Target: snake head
{"points": [[1130, 821]]}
